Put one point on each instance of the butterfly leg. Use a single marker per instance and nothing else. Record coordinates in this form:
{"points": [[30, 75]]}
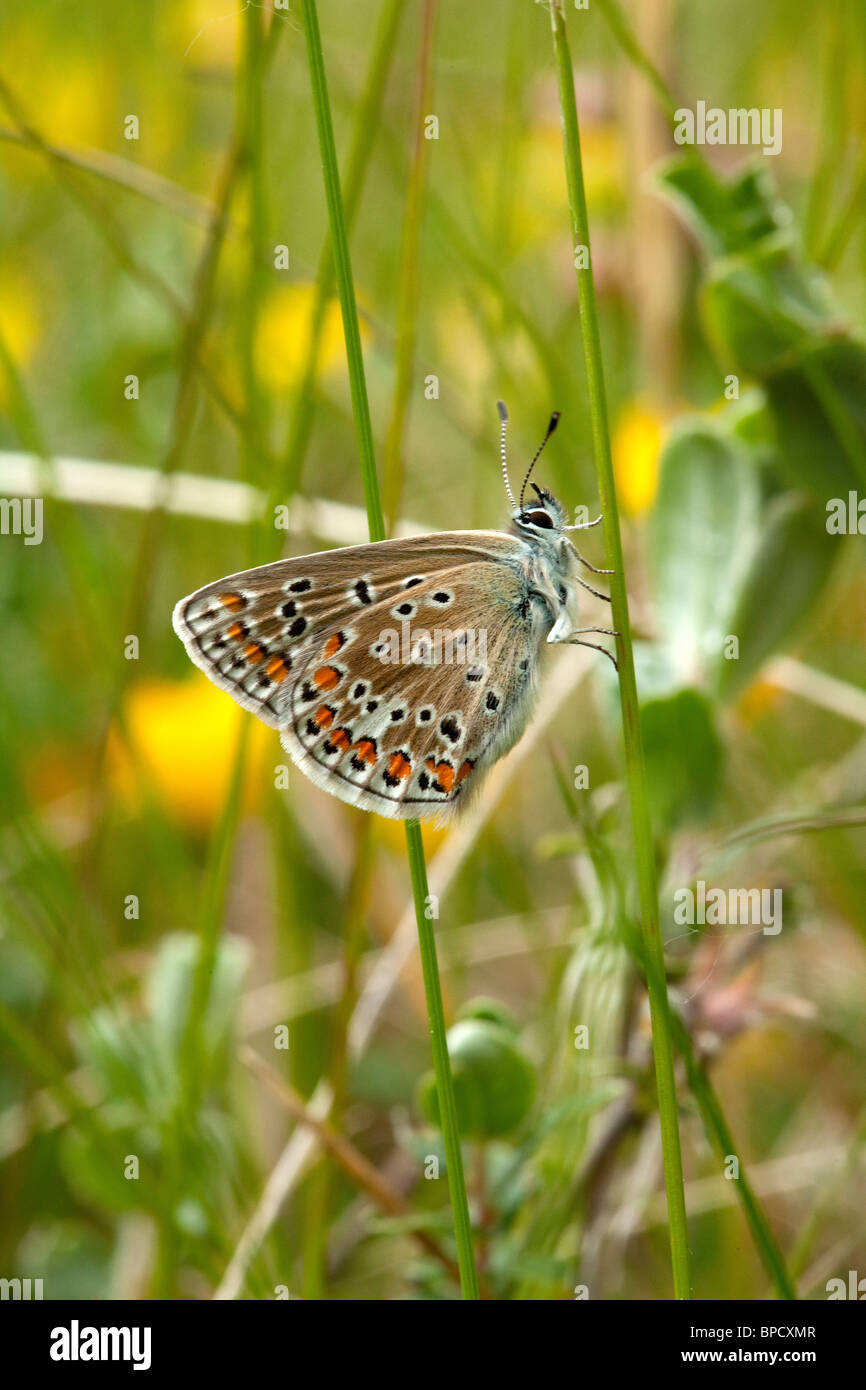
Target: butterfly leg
{"points": [[583, 525], [576, 642], [608, 631], [589, 566], [597, 592]]}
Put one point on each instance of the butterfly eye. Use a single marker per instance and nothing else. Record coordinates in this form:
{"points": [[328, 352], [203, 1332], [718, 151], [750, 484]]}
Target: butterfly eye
{"points": [[540, 518]]}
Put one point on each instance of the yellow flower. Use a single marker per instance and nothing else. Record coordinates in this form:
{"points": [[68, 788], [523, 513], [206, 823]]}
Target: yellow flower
{"points": [[19, 329], [601, 152], [72, 98], [204, 33], [183, 736], [541, 212], [393, 834], [636, 446], [283, 336], [757, 700]]}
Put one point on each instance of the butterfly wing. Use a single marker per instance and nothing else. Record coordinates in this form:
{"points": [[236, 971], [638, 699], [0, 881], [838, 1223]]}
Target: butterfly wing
{"points": [[404, 717], [331, 649]]}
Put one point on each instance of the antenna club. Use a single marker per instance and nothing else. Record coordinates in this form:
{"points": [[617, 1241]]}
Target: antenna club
{"points": [[503, 416], [554, 421]]}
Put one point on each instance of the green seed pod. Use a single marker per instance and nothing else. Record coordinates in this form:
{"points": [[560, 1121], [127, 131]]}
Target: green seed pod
{"points": [[490, 1010], [494, 1082]]}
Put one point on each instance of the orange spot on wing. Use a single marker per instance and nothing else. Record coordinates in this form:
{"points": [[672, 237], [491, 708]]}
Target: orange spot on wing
{"points": [[366, 750], [333, 644], [277, 670], [235, 632], [254, 653], [324, 717], [326, 677], [341, 738], [464, 770], [443, 772], [233, 602], [399, 766]]}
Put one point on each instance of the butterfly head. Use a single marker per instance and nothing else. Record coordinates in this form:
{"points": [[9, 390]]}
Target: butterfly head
{"points": [[545, 517], [542, 516]]}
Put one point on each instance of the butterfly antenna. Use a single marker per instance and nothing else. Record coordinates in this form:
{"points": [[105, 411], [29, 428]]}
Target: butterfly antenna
{"points": [[554, 421], [503, 425]]}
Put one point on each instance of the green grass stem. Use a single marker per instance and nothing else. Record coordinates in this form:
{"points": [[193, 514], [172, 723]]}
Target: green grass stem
{"points": [[365, 126], [394, 468], [634, 757], [364, 430]]}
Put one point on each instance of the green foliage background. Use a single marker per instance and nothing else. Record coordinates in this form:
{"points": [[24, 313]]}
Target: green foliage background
{"points": [[167, 906]]}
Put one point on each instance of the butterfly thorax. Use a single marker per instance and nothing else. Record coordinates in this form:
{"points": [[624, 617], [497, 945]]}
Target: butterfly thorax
{"points": [[551, 565]]}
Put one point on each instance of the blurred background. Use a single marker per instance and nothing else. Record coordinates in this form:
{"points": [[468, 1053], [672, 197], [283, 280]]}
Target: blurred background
{"points": [[200, 953]]}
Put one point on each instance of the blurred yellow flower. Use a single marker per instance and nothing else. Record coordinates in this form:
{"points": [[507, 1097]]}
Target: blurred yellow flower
{"points": [[73, 99], [180, 744], [393, 834], [541, 212], [636, 446], [283, 336], [19, 328], [757, 700], [205, 32], [183, 736], [601, 153]]}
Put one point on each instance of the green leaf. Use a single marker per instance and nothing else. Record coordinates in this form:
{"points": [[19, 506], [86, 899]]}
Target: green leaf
{"points": [[771, 315], [168, 991], [95, 1171], [819, 410], [750, 420], [762, 307], [727, 215], [789, 569], [118, 1049], [683, 756], [704, 528]]}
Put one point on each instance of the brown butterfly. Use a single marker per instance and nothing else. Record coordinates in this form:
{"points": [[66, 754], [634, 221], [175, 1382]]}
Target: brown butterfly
{"points": [[398, 672]]}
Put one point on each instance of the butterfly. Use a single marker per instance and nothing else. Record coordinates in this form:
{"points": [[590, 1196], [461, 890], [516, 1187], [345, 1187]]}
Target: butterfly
{"points": [[398, 672]]}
